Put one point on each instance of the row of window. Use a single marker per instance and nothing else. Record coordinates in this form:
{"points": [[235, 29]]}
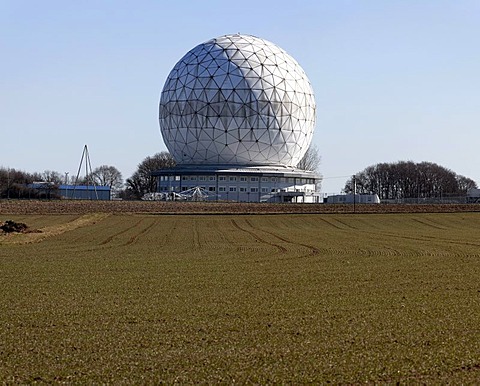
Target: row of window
{"points": [[230, 189], [225, 178], [290, 180], [242, 189]]}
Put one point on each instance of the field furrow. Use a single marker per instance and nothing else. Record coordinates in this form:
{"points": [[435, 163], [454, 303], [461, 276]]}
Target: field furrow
{"points": [[141, 231], [118, 234], [256, 237]]}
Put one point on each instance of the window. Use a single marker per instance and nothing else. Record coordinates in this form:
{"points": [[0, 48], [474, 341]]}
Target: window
{"points": [[222, 178], [274, 190], [221, 189], [264, 179], [254, 179], [232, 178], [201, 178], [243, 179], [212, 178], [254, 190], [264, 190], [184, 178], [193, 178], [243, 189], [274, 179], [232, 189], [211, 188]]}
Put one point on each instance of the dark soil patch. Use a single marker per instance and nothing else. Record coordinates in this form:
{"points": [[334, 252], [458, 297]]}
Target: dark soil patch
{"points": [[10, 226]]}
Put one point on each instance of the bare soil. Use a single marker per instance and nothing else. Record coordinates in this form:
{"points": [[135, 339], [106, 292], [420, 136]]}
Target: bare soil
{"points": [[83, 207]]}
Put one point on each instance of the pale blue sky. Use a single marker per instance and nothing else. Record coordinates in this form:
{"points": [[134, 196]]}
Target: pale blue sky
{"points": [[394, 80]]}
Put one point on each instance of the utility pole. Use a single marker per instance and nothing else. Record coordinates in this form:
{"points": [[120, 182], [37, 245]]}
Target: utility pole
{"points": [[8, 183], [354, 191], [66, 183]]}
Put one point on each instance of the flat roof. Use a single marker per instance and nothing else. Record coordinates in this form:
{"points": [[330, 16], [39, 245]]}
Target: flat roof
{"points": [[264, 170], [83, 187]]}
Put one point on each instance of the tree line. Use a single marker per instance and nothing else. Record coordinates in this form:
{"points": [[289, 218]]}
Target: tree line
{"points": [[407, 179], [19, 184], [391, 181]]}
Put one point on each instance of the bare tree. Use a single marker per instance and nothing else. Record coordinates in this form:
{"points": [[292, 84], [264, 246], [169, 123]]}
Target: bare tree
{"points": [[17, 183], [311, 159], [465, 184], [142, 181], [52, 176], [311, 162], [108, 176], [406, 179], [10, 179]]}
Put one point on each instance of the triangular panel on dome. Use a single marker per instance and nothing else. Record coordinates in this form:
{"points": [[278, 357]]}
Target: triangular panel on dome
{"points": [[195, 95], [256, 154], [236, 55], [219, 79], [204, 67], [182, 94], [210, 93], [221, 67], [236, 80]]}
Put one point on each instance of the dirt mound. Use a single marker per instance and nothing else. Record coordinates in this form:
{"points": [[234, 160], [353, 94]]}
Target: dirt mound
{"points": [[10, 226]]}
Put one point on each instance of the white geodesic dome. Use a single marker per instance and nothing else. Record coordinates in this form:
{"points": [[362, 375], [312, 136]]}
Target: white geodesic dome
{"points": [[237, 99]]}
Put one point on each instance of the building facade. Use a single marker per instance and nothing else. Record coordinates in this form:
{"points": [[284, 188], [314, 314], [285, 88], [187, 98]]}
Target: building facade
{"points": [[352, 198], [84, 192], [242, 184]]}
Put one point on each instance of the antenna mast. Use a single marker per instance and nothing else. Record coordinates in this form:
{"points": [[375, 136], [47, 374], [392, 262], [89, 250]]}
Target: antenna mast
{"points": [[88, 173]]}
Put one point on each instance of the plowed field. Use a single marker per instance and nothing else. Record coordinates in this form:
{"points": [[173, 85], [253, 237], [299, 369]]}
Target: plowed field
{"points": [[116, 297], [72, 206]]}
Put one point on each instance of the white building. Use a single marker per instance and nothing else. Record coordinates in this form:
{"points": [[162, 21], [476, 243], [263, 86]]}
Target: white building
{"points": [[352, 198], [246, 184], [237, 113], [473, 195]]}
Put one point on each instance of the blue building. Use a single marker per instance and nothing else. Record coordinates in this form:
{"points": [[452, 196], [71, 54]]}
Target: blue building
{"points": [[50, 190], [84, 192]]}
